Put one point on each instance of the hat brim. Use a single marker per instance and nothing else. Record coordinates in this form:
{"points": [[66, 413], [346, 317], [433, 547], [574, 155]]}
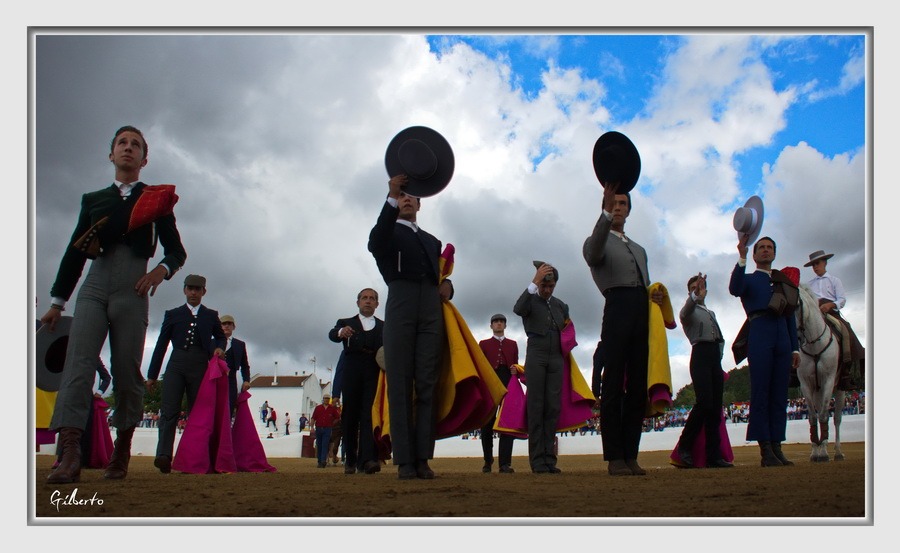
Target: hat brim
{"points": [[50, 354], [438, 180], [813, 260], [755, 203], [616, 159]]}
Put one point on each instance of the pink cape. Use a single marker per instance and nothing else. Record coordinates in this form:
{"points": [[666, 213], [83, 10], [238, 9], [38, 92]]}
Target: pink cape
{"points": [[101, 440], [698, 452], [512, 416], [249, 453], [577, 398], [575, 404], [206, 444]]}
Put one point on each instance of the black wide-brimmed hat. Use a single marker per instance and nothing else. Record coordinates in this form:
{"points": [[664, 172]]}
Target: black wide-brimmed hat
{"points": [[424, 156], [748, 220], [616, 159], [50, 354]]}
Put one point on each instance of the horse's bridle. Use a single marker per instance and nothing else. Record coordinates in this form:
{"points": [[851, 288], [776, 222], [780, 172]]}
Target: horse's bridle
{"points": [[801, 336]]}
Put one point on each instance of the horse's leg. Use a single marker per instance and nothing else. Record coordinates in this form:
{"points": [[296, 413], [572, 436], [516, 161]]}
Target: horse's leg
{"points": [[838, 414], [813, 436]]}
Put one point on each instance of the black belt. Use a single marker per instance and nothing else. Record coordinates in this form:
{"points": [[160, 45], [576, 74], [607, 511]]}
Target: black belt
{"points": [[757, 314]]}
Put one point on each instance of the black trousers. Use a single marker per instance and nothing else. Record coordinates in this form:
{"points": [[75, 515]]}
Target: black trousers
{"points": [[623, 400], [184, 373], [487, 431], [360, 381], [706, 415], [413, 343]]}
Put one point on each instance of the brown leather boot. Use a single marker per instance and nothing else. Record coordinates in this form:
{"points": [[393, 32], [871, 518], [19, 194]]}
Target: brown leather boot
{"points": [[117, 468], [776, 450], [768, 456], [69, 469]]}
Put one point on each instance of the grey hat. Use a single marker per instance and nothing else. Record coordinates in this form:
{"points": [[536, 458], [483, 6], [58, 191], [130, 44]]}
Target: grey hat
{"points": [[537, 265], [499, 317], [195, 280], [817, 255]]}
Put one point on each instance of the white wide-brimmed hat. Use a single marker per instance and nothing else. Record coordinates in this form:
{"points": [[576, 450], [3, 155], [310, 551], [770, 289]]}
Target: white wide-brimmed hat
{"points": [[748, 220]]}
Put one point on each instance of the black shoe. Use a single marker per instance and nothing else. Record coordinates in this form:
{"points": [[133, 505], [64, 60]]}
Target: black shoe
{"points": [[635, 467], [486, 468], [407, 472], [553, 470], [776, 449], [320, 465], [349, 469], [686, 458], [618, 468], [543, 469], [371, 467], [423, 471], [163, 463], [506, 469], [720, 464]]}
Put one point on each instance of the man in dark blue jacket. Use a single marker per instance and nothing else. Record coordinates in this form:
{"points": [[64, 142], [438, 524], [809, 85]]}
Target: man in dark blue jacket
{"points": [[772, 350], [196, 335]]}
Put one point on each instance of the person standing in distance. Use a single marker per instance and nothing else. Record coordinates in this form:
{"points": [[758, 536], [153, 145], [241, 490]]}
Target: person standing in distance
{"points": [[502, 353], [361, 336], [237, 360]]}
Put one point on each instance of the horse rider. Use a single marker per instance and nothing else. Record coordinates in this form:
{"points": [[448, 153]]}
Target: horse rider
{"points": [[830, 292]]}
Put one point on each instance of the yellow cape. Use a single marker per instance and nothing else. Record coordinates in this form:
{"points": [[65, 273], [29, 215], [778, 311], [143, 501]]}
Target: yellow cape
{"points": [[659, 372]]}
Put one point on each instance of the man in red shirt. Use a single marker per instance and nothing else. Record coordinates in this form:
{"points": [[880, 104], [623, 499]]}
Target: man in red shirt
{"points": [[502, 353], [323, 418]]}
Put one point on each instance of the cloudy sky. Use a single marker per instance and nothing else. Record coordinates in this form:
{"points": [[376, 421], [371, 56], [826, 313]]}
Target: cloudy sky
{"points": [[276, 142]]}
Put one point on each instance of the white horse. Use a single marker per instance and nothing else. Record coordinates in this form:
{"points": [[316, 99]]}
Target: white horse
{"points": [[818, 373]]}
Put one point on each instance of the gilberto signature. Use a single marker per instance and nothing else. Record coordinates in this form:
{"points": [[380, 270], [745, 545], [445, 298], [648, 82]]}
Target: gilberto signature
{"points": [[58, 499]]}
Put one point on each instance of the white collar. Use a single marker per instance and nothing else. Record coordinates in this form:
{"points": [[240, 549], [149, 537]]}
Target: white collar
{"points": [[410, 224]]}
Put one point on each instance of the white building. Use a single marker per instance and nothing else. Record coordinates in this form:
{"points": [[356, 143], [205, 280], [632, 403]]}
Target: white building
{"points": [[287, 394]]}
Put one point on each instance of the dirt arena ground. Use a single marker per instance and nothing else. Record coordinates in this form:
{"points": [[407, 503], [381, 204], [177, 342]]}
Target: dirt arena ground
{"points": [[302, 494]]}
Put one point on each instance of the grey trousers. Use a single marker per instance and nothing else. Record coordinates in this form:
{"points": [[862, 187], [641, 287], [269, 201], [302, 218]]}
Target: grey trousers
{"points": [[107, 304], [544, 376], [413, 339]]}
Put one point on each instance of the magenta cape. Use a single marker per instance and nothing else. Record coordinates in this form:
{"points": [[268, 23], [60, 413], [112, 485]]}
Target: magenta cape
{"points": [[576, 401], [699, 450], [512, 417], [577, 398], [101, 440], [208, 443], [249, 453]]}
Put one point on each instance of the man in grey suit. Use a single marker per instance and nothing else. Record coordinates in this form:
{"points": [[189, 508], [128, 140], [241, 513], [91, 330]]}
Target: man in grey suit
{"points": [[707, 347], [619, 268], [543, 316], [118, 229]]}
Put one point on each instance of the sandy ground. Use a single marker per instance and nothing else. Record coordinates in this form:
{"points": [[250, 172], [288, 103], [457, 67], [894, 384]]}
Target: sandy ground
{"points": [[300, 493]]}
